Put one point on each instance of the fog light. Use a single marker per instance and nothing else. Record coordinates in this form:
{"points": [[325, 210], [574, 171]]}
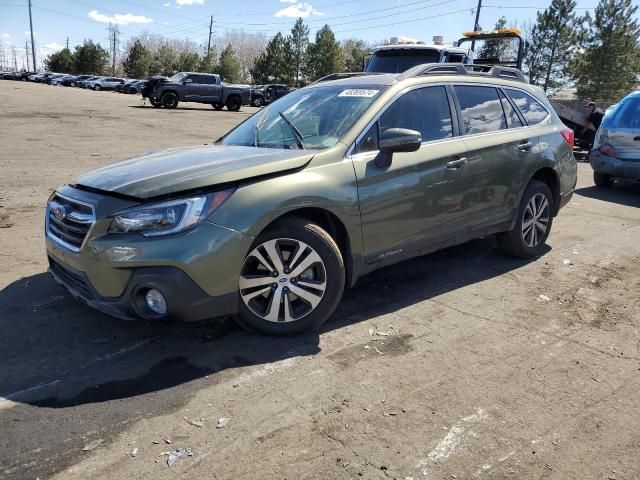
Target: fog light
{"points": [[156, 302]]}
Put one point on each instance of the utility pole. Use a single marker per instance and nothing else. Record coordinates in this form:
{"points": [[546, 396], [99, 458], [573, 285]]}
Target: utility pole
{"points": [[476, 25], [33, 45], [15, 59], [67, 43], [26, 52], [113, 40], [210, 30]]}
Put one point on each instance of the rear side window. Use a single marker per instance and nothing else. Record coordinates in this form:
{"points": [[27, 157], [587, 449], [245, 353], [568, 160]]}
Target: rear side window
{"points": [[532, 110], [425, 110], [207, 79], [481, 109], [513, 120]]}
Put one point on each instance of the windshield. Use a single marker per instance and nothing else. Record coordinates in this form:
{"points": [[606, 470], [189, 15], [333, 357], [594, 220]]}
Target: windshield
{"points": [[177, 78], [309, 118], [398, 60]]}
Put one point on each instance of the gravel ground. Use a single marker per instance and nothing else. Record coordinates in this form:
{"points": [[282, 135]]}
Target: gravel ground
{"points": [[461, 364]]}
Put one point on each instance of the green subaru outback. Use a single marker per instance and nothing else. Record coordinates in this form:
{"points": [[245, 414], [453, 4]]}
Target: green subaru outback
{"points": [[272, 222]]}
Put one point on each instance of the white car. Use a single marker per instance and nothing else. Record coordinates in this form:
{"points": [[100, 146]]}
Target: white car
{"points": [[105, 83]]}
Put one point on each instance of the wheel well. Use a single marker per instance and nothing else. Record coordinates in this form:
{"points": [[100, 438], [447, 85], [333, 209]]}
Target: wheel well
{"points": [[550, 177], [333, 226], [233, 95]]}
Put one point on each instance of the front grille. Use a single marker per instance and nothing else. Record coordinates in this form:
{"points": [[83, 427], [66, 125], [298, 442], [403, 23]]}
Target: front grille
{"points": [[71, 279], [68, 221]]}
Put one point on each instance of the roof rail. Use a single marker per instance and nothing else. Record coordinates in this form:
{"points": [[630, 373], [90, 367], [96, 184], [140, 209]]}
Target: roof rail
{"points": [[340, 76], [463, 69]]}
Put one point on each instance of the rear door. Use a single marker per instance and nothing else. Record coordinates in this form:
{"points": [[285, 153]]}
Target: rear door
{"points": [[501, 150], [420, 195]]}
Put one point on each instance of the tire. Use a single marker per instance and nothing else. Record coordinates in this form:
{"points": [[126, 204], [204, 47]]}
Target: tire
{"points": [[217, 106], [169, 100], [96, 87], [257, 102], [527, 239], [311, 247], [234, 103], [155, 103], [602, 180]]}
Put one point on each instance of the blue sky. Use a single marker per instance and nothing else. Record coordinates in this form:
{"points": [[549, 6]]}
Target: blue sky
{"points": [[371, 20]]}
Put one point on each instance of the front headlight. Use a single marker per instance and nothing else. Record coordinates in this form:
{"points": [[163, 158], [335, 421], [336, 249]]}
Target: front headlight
{"points": [[168, 217]]}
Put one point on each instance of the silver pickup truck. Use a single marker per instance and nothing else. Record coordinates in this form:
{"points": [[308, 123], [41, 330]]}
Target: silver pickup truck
{"points": [[195, 87]]}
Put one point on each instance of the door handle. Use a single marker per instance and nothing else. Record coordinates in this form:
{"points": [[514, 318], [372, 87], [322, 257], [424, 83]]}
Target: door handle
{"points": [[525, 146], [456, 164]]}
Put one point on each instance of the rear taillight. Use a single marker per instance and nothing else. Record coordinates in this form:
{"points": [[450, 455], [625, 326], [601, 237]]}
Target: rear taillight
{"points": [[608, 150], [568, 136]]}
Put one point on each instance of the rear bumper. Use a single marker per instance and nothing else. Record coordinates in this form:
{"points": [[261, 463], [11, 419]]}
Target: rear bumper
{"points": [[186, 301], [614, 166]]}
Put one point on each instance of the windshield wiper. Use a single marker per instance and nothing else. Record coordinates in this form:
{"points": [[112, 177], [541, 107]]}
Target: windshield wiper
{"points": [[296, 132], [257, 125]]}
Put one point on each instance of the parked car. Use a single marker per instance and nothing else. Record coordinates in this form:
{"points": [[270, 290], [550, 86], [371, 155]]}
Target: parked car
{"points": [[265, 94], [321, 187], [61, 80], [44, 77], [89, 81], [135, 87], [53, 77], [79, 79], [10, 75], [124, 87], [196, 87], [105, 83], [616, 149]]}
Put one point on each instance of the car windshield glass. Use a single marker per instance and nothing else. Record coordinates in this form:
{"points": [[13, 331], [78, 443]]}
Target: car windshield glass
{"points": [[398, 60], [321, 116], [627, 114], [178, 77]]}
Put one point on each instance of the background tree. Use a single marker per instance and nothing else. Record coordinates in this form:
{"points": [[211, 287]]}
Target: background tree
{"points": [[60, 62], [247, 47], [91, 58], [324, 55], [275, 64], [298, 41], [165, 60], [188, 61], [353, 52], [138, 61], [495, 48], [609, 66], [228, 67], [554, 38], [209, 63]]}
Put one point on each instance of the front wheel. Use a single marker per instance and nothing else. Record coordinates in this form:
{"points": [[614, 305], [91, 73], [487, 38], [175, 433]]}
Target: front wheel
{"points": [[217, 106], [169, 100], [602, 179], [234, 103], [257, 102], [96, 87], [155, 103], [292, 279], [535, 216]]}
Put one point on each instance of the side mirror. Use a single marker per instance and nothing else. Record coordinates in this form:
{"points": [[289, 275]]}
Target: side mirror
{"points": [[188, 80], [394, 140]]}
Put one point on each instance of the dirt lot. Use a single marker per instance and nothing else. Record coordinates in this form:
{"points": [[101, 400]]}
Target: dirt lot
{"points": [[462, 364]]}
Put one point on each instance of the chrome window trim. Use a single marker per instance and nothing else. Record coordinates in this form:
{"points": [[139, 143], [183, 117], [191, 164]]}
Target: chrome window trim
{"points": [[59, 240]]}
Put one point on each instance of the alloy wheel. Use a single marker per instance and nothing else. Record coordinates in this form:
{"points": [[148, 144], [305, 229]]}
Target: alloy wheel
{"points": [[535, 220], [282, 280]]}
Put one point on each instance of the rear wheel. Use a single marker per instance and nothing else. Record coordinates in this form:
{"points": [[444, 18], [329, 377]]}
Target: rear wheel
{"points": [[602, 179], [535, 216], [96, 87], [292, 279], [234, 103], [169, 100]]}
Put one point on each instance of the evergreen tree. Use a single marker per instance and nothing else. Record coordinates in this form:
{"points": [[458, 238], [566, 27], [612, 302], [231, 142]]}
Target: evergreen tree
{"points": [[60, 62], [138, 61], [554, 38], [188, 61], [610, 65], [496, 49], [353, 52], [165, 60], [208, 63], [91, 58], [229, 68], [324, 56], [275, 63], [298, 41]]}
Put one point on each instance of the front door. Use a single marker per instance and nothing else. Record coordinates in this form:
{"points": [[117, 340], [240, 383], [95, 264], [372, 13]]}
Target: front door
{"points": [[419, 196]]}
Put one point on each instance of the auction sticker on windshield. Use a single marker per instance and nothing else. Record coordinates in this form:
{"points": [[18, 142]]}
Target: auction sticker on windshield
{"points": [[358, 92]]}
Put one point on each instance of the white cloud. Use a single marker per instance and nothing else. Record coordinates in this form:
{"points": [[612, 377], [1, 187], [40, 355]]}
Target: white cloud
{"points": [[300, 9], [289, 1], [119, 18], [27, 32], [189, 2], [6, 35], [166, 4], [53, 46]]}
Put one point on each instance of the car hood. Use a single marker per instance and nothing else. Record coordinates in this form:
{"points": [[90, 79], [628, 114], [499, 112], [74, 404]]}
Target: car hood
{"points": [[179, 169]]}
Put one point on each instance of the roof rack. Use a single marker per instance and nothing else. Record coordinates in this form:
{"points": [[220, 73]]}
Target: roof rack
{"points": [[463, 69]]}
